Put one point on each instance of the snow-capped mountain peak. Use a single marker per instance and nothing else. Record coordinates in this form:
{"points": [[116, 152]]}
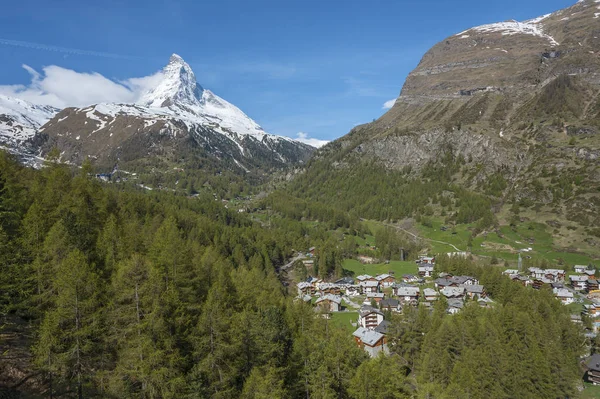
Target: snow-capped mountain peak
{"points": [[20, 119], [178, 86]]}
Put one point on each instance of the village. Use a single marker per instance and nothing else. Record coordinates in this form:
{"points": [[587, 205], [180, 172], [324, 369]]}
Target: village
{"points": [[372, 297]]}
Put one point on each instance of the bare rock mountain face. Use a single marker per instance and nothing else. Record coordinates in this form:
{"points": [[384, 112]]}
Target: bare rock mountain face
{"points": [[175, 122], [481, 90]]}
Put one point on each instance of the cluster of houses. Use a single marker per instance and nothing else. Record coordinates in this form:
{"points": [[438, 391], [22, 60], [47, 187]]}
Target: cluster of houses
{"points": [[583, 281], [386, 293]]}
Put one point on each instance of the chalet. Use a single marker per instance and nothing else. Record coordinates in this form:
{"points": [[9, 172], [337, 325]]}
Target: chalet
{"points": [[430, 294], [330, 303], [369, 317], [557, 286], [565, 296], [312, 251], [592, 310], [371, 341], [455, 305], [407, 294], [475, 291], [375, 296], [305, 288], [523, 280], [510, 272], [390, 304], [453, 292], [369, 286], [426, 259], [386, 280], [464, 280], [536, 272], [555, 274], [425, 270], [410, 278], [590, 272], [538, 283], [329, 288], [365, 277], [353, 290], [442, 282], [592, 285], [579, 269], [579, 282], [592, 369]]}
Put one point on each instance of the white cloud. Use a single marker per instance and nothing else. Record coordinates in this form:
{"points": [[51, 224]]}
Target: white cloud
{"points": [[61, 87], [303, 138], [389, 104]]}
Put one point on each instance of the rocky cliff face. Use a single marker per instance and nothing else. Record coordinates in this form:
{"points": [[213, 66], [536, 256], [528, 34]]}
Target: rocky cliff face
{"points": [[487, 91]]}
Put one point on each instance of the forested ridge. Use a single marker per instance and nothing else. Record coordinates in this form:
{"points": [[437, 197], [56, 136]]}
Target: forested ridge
{"points": [[154, 295]]}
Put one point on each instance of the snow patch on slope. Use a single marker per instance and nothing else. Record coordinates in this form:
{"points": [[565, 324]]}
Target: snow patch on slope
{"points": [[531, 27], [19, 119]]}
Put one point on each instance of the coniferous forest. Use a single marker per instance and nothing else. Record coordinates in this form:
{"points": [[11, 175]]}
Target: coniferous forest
{"points": [[135, 294]]}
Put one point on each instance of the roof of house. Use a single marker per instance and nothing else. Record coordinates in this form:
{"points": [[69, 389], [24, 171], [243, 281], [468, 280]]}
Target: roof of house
{"points": [[589, 272], [430, 292], [557, 285], [304, 284], [443, 281], [407, 291], [409, 276], [329, 297], [592, 281], [363, 277], [389, 303], [578, 278], [383, 327], [564, 293], [474, 288], [368, 337], [365, 310], [369, 283], [375, 294], [593, 362], [511, 271], [345, 280], [455, 303], [452, 291], [327, 286], [425, 267]]}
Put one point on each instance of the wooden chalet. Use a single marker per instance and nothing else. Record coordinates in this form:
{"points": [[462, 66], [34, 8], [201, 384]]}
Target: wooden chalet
{"points": [[592, 369]]}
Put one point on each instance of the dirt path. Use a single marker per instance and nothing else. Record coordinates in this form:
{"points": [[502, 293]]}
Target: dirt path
{"points": [[422, 238]]}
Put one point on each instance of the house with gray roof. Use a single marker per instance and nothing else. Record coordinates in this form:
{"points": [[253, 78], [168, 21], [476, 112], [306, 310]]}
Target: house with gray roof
{"points": [[407, 294], [369, 286], [430, 294], [390, 304], [453, 292], [371, 341], [330, 303], [475, 291], [455, 305]]}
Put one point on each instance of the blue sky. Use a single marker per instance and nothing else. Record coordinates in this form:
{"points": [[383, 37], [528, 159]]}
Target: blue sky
{"points": [[313, 66]]}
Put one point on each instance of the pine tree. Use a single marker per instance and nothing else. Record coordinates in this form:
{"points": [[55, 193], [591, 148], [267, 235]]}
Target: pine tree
{"points": [[69, 332]]}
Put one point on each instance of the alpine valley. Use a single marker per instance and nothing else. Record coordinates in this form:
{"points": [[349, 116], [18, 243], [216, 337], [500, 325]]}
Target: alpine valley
{"points": [[171, 248]]}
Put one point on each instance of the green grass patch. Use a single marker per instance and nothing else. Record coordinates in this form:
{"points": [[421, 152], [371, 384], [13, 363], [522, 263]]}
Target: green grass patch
{"points": [[343, 320], [398, 267], [590, 392]]}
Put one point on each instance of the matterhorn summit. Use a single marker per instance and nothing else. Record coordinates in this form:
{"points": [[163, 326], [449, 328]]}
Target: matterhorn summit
{"points": [[178, 86], [176, 119]]}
